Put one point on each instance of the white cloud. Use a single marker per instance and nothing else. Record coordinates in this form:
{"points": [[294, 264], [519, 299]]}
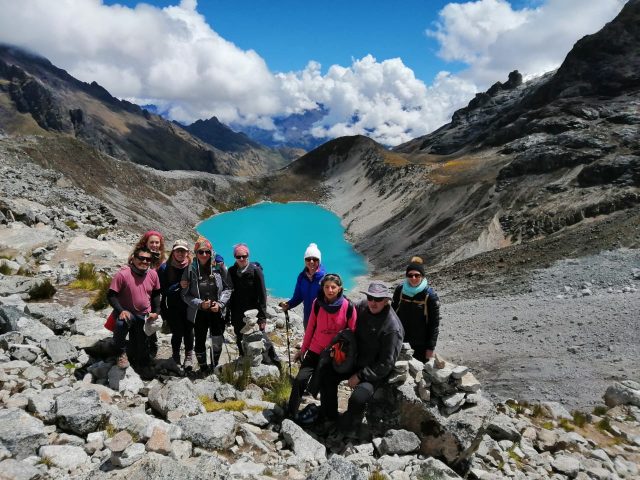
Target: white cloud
{"points": [[172, 58], [493, 39]]}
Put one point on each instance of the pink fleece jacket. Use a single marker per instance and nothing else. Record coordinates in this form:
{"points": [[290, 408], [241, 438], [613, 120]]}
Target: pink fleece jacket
{"points": [[322, 328]]}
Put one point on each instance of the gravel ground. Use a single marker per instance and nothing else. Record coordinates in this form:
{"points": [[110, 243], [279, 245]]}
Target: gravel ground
{"points": [[567, 340]]}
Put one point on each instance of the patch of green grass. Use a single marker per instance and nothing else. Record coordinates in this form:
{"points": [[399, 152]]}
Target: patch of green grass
{"points": [[42, 290], [5, 257], [518, 407], [377, 475], [230, 405], [110, 430], [548, 425], [69, 366], [604, 425], [566, 425], [513, 456], [579, 418], [600, 410], [207, 212], [278, 389], [238, 378], [99, 300], [537, 410], [46, 461], [5, 269], [72, 224], [87, 278]]}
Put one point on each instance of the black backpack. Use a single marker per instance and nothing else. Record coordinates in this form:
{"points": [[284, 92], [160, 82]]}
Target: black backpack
{"points": [[343, 351]]}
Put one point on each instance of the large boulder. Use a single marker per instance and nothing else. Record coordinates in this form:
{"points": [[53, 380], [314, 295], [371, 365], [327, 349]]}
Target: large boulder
{"points": [[159, 467], [81, 411], [176, 395], [303, 445], [21, 433], [626, 392], [59, 349], [213, 430], [9, 317], [141, 424], [453, 437], [337, 468]]}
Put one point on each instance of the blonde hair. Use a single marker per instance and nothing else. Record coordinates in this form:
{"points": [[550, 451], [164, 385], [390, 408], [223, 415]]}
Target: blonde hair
{"points": [[416, 259]]}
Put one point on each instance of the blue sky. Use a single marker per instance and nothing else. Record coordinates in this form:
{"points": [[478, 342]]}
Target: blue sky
{"points": [[393, 70], [289, 33]]}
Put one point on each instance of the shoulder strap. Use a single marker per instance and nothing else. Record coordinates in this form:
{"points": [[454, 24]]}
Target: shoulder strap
{"points": [[349, 310], [350, 307]]}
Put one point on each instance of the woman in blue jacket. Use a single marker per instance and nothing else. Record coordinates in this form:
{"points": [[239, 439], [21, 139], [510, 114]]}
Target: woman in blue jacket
{"points": [[308, 283]]}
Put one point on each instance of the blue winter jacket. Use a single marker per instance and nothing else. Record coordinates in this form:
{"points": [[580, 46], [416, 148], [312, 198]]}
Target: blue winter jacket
{"points": [[306, 291]]}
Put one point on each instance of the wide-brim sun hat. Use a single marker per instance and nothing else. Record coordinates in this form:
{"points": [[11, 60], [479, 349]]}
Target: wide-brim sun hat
{"points": [[377, 290]]}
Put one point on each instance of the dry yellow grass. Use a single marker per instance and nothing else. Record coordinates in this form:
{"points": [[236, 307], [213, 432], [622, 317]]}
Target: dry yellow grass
{"points": [[16, 123], [395, 159]]}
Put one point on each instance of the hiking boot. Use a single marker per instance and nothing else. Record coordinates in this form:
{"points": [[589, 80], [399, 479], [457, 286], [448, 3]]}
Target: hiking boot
{"points": [[188, 361], [123, 361], [146, 372]]}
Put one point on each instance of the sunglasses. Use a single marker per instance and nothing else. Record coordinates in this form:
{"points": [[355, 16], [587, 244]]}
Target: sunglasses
{"points": [[144, 259], [311, 259], [414, 275], [242, 257], [375, 299], [204, 252]]}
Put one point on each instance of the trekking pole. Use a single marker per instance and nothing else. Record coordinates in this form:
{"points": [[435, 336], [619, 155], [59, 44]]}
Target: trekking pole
{"points": [[286, 320]]}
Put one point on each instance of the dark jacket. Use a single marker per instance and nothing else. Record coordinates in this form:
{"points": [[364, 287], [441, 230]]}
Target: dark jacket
{"points": [[249, 291], [170, 287], [379, 340], [418, 330], [191, 294]]}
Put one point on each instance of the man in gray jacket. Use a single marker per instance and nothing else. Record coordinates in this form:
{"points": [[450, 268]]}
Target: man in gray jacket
{"points": [[379, 335]]}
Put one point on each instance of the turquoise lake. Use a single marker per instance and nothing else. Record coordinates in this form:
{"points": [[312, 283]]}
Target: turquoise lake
{"points": [[278, 234]]}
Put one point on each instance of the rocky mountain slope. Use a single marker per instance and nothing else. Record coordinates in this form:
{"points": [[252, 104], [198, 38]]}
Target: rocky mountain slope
{"points": [[38, 98], [539, 167]]}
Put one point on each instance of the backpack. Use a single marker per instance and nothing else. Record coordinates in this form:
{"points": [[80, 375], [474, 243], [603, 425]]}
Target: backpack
{"points": [[419, 302], [343, 351]]}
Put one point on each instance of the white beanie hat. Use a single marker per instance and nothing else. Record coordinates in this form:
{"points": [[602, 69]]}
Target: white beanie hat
{"points": [[313, 251]]}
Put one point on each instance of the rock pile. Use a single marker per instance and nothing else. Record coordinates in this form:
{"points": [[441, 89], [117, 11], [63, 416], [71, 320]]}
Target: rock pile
{"points": [[66, 414]]}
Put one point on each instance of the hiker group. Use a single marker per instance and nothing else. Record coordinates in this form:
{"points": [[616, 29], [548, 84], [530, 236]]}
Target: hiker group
{"points": [[197, 296]]}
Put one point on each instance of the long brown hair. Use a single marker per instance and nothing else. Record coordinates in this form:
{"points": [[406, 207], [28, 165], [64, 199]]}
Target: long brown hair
{"points": [[142, 242]]}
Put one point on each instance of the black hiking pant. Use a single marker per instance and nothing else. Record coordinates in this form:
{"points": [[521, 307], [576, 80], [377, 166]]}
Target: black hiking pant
{"points": [[358, 400], [137, 347], [181, 330], [299, 384], [207, 323]]}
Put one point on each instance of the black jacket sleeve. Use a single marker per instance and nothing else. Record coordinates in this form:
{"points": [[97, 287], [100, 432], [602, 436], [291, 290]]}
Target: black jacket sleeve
{"points": [[391, 343], [112, 298], [261, 293], [433, 321], [155, 301]]}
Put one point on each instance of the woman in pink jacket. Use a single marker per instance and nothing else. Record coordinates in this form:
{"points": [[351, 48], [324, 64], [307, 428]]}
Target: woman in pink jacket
{"points": [[331, 312]]}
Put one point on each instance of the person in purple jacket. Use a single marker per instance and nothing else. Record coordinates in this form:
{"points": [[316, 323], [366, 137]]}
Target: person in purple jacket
{"points": [[308, 283]]}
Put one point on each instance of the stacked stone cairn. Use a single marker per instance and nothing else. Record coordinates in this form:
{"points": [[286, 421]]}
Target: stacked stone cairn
{"points": [[253, 339]]}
